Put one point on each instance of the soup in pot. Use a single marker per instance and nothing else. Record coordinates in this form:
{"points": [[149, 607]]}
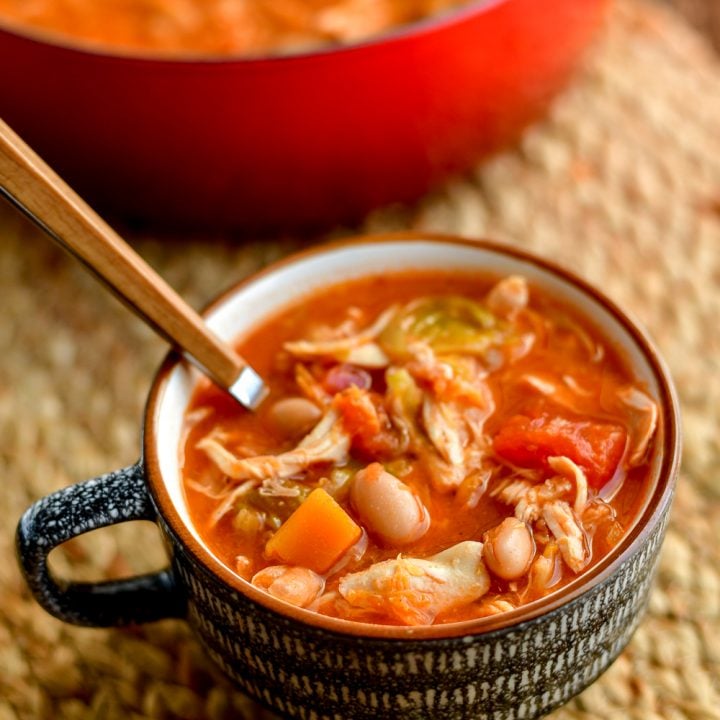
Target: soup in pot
{"points": [[435, 447], [220, 27]]}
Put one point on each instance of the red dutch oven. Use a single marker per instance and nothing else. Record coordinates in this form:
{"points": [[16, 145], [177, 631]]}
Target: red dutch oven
{"points": [[284, 142]]}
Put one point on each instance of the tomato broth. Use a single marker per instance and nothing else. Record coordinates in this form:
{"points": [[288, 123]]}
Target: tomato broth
{"points": [[219, 27]]}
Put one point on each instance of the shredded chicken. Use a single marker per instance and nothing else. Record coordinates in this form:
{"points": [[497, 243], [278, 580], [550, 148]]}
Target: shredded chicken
{"points": [[453, 414], [444, 425], [566, 392], [447, 476], [414, 591], [529, 498], [230, 500], [508, 296], [473, 487], [327, 442], [565, 467], [274, 487], [643, 424], [359, 349], [564, 526], [512, 491], [310, 387]]}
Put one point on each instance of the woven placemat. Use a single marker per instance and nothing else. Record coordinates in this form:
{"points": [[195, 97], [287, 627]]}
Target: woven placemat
{"points": [[621, 184]]}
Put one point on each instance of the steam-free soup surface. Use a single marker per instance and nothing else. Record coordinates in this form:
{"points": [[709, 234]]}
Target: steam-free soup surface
{"points": [[219, 26], [435, 447]]}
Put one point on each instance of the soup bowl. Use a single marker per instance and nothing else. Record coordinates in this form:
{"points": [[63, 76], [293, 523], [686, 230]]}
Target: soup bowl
{"points": [[518, 664], [259, 143]]}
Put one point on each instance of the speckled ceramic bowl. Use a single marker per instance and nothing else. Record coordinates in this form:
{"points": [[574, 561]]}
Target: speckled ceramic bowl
{"points": [[515, 665]]}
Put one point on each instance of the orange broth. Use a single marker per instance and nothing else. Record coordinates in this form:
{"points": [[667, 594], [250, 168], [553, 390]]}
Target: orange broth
{"points": [[218, 26], [561, 347]]}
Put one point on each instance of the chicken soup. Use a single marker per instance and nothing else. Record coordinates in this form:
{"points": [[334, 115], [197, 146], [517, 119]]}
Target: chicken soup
{"points": [[435, 447], [221, 27]]}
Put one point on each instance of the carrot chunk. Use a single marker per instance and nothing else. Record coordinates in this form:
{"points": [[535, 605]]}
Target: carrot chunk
{"points": [[316, 535], [596, 447]]}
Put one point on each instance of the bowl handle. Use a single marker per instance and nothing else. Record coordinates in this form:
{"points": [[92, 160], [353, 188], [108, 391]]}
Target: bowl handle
{"points": [[116, 497]]}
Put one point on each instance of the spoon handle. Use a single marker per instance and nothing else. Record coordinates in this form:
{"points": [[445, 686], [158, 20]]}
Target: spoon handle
{"points": [[28, 182]]}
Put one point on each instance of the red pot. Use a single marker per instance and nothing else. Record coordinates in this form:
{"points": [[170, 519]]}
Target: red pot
{"points": [[293, 141]]}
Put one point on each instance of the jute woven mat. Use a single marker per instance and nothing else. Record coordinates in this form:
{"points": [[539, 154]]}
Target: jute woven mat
{"points": [[621, 183]]}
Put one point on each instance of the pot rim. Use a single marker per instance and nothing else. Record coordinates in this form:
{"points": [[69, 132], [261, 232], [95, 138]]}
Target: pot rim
{"points": [[639, 534], [407, 31]]}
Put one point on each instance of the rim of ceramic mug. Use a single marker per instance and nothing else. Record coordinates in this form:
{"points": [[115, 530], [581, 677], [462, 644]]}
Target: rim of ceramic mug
{"points": [[423, 26], [644, 524]]}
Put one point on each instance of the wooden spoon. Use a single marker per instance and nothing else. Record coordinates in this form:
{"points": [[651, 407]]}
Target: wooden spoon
{"points": [[38, 192]]}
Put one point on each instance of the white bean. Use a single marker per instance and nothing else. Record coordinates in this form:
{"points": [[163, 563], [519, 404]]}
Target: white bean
{"points": [[293, 416], [387, 507], [509, 549]]}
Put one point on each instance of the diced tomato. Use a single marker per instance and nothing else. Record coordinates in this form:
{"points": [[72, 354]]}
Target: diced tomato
{"points": [[596, 447], [366, 421]]}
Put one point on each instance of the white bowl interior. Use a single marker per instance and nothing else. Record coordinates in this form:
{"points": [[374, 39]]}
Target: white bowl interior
{"points": [[244, 310]]}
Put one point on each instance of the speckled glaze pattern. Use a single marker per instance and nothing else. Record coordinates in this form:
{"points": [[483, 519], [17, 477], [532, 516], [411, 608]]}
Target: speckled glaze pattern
{"points": [[521, 672], [115, 497]]}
